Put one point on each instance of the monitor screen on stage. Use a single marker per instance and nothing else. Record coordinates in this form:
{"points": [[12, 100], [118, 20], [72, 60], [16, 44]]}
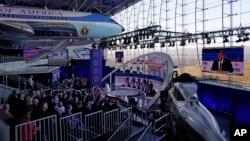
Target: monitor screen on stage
{"points": [[223, 60]]}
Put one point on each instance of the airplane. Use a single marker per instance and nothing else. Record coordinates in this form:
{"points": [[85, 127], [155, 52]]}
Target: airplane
{"points": [[188, 117], [27, 22]]}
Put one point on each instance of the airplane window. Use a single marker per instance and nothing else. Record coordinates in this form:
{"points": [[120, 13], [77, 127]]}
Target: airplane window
{"points": [[178, 96]]}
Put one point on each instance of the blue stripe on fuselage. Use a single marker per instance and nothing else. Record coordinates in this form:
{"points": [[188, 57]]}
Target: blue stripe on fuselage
{"points": [[93, 17]]}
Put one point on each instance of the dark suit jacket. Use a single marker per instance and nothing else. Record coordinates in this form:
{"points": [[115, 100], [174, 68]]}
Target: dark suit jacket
{"points": [[226, 65]]}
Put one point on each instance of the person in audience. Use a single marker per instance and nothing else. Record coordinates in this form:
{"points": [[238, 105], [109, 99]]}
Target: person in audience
{"points": [[60, 109], [35, 114], [30, 82], [48, 83], [5, 115], [43, 110], [74, 121], [28, 130]]}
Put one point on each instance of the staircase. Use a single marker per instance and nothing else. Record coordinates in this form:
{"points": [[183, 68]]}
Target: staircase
{"points": [[17, 81]]}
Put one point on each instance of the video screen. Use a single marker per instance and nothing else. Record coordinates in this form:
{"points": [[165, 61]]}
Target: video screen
{"points": [[223, 60], [119, 57]]}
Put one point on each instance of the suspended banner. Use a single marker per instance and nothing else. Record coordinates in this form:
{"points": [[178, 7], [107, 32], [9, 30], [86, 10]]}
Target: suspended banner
{"points": [[95, 68]]}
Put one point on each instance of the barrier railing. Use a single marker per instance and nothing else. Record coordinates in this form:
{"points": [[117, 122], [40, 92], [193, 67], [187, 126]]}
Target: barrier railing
{"points": [[147, 134], [5, 59], [5, 91], [71, 127], [111, 121], [37, 130], [4, 131], [160, 127], [123, 131], [93, 125], [18, 80]]}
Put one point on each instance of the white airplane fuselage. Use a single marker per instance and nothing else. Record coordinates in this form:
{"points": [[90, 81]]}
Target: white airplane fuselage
{"points": [[42, 22]]}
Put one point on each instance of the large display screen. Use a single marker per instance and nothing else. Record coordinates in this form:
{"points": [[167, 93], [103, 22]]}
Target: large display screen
{"points": [[223, 60]]}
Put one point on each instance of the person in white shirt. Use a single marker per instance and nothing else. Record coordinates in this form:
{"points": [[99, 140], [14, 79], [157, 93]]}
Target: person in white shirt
{"points": [[31, 82]]}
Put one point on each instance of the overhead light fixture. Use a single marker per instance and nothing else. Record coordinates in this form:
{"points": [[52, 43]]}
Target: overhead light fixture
{"points": [[225, 39], [239, 39], [162, 44], [183, 43], [246, 38], [151, 45], [208, 40], [142, 46]]}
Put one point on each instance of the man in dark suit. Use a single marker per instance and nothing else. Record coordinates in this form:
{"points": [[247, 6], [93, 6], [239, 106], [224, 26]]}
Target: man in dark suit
{"points": [[222, 64]]}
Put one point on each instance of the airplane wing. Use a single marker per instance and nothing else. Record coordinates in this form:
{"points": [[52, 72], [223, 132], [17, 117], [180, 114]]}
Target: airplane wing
{"points": [[15, 28], [33, 29]]}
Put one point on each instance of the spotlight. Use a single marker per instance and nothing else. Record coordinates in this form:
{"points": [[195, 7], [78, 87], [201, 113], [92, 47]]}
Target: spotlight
{"points": [[239, 39], [151, 45], [225, 39], [246, 38], [142, 46], [183, 43], [162, 44], [156, 39], [208, 40], [171, 44], [136, 39]]}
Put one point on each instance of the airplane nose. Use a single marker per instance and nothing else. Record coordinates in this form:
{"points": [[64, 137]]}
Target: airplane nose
{"points": [[123, 29]]}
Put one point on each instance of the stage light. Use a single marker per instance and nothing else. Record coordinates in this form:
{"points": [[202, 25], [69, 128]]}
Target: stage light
{"points": [[151, 45], [162, 44], [208, 40], [239, 39], [136, 39], [156, 40], [225, 39], [167, 39], [142, 46], [183, 43], [246, 38], [171, 44]]}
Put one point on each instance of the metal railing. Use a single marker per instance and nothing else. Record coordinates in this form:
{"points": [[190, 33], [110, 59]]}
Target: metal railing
{"points": [[71, 127], [123, 131], [147, 134], [111, 121], [37, 130], [19, 81], [160, 127], [93, 125], [4, 131], [6, 59]]}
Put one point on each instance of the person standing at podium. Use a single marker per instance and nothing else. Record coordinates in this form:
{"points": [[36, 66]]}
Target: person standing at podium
{"points": [[222, 63]]}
